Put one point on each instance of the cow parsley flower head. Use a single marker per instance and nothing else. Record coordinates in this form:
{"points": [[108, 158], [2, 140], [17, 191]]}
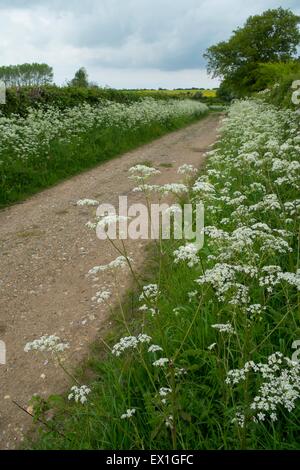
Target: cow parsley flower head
{"points": [[154, 348], [187, 170], [130, 342], [180, 372], [141, 173], [163, 393], [170, 422], [52, 344], [239, 419], [162, 362], [224, 327], [102, 296], [174, 188], [203, 186], [279, 385], [129, 414], [147, 188], [87, 202], [187, 253], [150, 293], [79, 394], [119, 263]]}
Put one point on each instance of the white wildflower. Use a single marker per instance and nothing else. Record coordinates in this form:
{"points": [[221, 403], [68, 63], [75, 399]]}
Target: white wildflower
{"points": [[187, 170], [87, 202], [187, 253], [119, 263], [155, 348], [224, 327], [129, 414], [150, 293], [79, 394], [52, 344], [163, 361]]}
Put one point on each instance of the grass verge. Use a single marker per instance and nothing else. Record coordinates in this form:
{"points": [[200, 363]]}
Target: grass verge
{"points": [[20, 178]]}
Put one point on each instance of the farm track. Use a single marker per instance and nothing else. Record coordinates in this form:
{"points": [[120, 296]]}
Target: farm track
{"points": [[45, 253]]}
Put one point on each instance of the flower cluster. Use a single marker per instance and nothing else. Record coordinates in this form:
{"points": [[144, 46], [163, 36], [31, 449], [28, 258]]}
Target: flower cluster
{"points": [[129, 414], [51, 344], [101, 296], [79, 394], [188, 254], [119, 263], [129, 342], [280, 386], [87, 202]]}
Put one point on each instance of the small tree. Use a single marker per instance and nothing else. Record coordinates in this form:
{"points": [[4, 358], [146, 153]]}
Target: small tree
{"points": [[80, 79]]}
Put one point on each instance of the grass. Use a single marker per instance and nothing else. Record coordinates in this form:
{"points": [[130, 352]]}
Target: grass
{"points": [[201, 411]]}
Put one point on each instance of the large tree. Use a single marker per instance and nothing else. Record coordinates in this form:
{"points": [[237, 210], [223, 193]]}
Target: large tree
{"points": [[270, 37]]}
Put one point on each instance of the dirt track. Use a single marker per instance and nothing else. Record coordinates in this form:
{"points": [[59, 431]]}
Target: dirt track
{"points": [[45, 253]]}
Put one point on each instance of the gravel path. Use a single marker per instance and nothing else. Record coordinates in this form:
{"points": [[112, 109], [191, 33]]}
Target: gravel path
{"points": [[45, 253]]}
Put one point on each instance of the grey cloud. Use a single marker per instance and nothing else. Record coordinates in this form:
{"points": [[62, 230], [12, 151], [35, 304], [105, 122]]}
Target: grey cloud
{"points": [[166, 35]]}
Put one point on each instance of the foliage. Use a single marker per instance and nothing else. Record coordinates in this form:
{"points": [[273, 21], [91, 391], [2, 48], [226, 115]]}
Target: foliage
{"points": [[270, 37], [26, 75], [20, 100], [80, 79], [271, 73]]}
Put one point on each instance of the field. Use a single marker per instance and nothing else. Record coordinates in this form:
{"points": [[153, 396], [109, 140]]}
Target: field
{"points": [[182, 94], [203, 354]]}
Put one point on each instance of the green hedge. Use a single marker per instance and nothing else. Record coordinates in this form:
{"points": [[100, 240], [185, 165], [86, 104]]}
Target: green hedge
{"points": [[18, 100]]}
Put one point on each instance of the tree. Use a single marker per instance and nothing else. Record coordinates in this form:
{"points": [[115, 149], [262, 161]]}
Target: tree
{"points": [[26, 75], [80, 79], [270, 37]]}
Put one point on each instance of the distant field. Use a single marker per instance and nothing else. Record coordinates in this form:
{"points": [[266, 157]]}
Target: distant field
{"points": [[184, 93]]}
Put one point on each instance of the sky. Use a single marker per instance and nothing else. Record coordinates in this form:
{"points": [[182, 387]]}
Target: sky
{"points": [[124, 43]]}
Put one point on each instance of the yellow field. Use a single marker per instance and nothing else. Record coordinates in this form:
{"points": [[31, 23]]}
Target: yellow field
{"points": [[185, 93]]}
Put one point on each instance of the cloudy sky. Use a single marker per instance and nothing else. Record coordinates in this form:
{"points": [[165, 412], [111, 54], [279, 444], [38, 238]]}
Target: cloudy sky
{"points": [[123, 43]]}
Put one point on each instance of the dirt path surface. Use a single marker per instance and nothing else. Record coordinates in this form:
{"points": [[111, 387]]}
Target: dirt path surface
{"points": [[45, 254]]}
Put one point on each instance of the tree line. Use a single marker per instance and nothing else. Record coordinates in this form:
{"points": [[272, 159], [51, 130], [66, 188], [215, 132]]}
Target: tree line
{"points": [[26, 75], [33, 75]]}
